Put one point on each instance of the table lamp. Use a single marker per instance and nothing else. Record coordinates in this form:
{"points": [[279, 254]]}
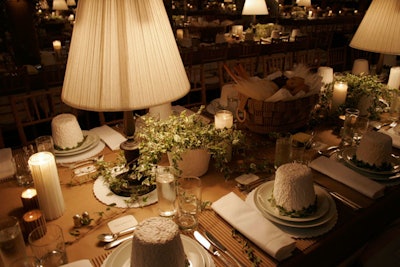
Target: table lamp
{"points": [[123, 57], [304, 3], [60, 5], [255, 7], [379, 30], [71, 3]]}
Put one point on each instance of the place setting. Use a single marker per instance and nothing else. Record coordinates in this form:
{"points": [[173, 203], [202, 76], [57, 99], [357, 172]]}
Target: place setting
{"points": [[302, 219], [367, 151]]}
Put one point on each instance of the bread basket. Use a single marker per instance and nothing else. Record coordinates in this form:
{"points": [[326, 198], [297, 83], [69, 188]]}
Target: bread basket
{"points": [[282, 116], [273, 116]]}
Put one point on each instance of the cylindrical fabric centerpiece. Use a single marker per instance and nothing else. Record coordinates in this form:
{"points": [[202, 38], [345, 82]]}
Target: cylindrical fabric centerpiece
{"points": [[47, 184]]}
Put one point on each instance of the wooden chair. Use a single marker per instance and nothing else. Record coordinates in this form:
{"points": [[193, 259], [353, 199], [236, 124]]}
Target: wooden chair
{"points": [[54, 75], [273, 63], [111, 118], [34, 111], [336, 58], [197, 94], [15, 81], [247, 54], [211, 67]]}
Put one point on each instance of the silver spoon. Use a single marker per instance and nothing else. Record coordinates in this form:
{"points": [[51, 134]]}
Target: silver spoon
{"points": [[109, 237]]}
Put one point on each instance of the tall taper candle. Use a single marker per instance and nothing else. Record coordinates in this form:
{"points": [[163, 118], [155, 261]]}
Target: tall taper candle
{"points": [[47, 184]]}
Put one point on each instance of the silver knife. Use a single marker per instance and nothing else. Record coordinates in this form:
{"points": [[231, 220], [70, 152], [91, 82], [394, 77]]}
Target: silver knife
{"points": [[117, 242], [207, 245], [214, 241]]}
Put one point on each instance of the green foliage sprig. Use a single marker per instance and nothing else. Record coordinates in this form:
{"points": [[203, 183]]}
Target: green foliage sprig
{"points": [[368, 86], [180, 133]]}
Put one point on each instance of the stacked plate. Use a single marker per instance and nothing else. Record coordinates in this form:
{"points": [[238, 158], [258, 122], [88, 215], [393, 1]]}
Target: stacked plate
{"points": [[90, 142], [196, 255], [389, 176], [316, 224]]}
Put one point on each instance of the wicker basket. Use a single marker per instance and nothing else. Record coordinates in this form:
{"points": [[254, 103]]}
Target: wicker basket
{"points": [[283, 116]]}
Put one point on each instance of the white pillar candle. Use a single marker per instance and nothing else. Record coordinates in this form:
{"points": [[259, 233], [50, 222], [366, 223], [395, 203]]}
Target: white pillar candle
{"points": [[339, 94], [223, 119], [179, 34], [237, 30], [57, 45], [326, 73], [394, 78], [47, 184], [360, 66]]}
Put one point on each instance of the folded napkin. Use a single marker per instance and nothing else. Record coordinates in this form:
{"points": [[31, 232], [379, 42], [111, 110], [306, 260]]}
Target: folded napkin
{"points": [[111, 137], [394, 135], [7, 167], [254, 226], [347, 176]]}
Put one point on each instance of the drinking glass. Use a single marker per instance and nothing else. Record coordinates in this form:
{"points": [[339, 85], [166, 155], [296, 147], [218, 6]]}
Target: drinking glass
{"points": [[189, 202], [283, 149], [12, 245], [28, 261], [47, 244], [165, 181], [360, 127], [22, 170], [349, 124], [394, 106], [45, 143]]}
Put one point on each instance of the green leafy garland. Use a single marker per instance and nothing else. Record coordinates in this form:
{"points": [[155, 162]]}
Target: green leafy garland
{"points": [[180, 133]]}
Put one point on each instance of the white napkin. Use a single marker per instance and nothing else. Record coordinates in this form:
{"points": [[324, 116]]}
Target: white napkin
{"points": [[254, 226], [394, 135], [347, 176], [111, 137], [7, 166]]}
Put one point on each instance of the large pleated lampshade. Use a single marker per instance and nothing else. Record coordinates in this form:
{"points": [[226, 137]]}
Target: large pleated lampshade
{"points": [[60, 5], [71, 3], [255, 7], [305, 3], [123, 56], [379, 30]]}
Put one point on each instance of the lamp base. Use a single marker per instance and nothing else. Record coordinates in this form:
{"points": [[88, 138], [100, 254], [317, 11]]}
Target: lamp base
{"points": [[128, 185], [131, 150]]}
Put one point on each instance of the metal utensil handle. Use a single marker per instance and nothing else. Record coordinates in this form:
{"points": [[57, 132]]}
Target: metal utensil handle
{"points": [[128, 230], [345, 200], [117, 242], [219, 255]]}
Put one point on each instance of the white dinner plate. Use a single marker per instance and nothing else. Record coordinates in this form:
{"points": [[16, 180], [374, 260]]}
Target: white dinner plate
{"points": [[91, 141], [314, 224], [103, 193], [198, 257], [349, 153], [264, 193]]}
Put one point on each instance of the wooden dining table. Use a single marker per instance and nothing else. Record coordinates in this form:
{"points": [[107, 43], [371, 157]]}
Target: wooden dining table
{"points": [[352, 230]]}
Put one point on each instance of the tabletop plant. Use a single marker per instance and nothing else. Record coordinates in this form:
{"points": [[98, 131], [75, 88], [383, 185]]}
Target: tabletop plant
{"points": [[361, 88], [178, 133]]}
